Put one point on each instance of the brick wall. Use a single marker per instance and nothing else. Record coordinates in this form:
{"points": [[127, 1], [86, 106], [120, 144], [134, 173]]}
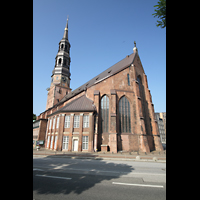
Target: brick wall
{"points": [[144, 135]]}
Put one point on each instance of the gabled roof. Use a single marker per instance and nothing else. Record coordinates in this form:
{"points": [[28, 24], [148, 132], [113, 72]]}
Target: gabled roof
{"points": [[121, 65], [124, 63], [81, 104]]}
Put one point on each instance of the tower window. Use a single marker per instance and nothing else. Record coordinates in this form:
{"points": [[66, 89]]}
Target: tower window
{"points": [[62, 46], [59, 61], [64, 62]]}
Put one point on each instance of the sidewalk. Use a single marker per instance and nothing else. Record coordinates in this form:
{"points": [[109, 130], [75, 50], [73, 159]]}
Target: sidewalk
{"points": [[133, 156]]}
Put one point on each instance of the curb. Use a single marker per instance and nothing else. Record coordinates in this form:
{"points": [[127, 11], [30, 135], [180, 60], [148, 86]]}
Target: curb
{"points": [[138, 158]]}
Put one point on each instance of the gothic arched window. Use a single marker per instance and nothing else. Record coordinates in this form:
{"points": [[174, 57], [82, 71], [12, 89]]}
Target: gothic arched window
{"points": [[124, 115], [139, 83], [104, 114]]}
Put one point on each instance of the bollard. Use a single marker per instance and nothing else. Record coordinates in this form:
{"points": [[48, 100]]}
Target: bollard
{"points": [[155, 159], [137, 157]]}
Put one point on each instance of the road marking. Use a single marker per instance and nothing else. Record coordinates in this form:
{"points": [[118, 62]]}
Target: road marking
{"points": [[54, 177], [141, 185], [149, 174], [134, 173], [36, 169]]}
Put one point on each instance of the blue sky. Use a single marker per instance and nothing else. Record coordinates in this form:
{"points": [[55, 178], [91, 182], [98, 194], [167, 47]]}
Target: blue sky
{"points": [[101, 33]]}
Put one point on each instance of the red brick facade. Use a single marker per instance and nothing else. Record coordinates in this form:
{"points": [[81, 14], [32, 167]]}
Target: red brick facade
{"points": [[39, 130], [116, 106], [144, 135]]}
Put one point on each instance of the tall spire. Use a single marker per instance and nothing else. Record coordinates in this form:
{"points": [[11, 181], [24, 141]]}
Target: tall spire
{"points": [[60, 78], [62, 59], [66, 30]]}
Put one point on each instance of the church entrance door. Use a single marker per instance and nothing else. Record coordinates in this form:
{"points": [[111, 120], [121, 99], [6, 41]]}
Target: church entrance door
{"points": [[75, 145]]}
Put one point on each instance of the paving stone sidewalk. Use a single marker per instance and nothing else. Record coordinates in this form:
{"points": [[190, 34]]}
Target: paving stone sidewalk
{"points": [[139, 156]]}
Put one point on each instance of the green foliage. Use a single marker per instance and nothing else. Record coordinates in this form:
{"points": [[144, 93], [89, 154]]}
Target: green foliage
{"points": [[34, 117], [160, 12]]}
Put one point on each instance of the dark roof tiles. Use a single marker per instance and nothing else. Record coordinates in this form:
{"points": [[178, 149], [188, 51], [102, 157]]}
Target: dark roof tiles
{"points": [[81, 104], [122, 64]]}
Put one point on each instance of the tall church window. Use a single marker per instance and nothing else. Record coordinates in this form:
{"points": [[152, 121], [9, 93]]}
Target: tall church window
{"points": [[124, 115], [139, 83], [128, 79], [104, 113]]}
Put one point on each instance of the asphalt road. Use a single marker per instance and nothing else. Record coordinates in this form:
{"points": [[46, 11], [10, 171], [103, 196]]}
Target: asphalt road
{"points": [[64, 178]]}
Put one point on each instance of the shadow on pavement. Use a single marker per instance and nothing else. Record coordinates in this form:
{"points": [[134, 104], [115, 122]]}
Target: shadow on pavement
{"points": [[94, 172]]}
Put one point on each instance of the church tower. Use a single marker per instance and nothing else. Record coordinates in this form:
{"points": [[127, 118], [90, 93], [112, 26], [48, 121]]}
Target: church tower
{"points": [[60, 78]]}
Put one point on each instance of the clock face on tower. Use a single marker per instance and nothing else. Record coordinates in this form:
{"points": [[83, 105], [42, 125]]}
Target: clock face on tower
{"points": [[64, 79]]}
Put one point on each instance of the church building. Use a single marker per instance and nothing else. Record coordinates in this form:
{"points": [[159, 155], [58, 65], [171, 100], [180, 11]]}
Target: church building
{"points": [[111, 112]]}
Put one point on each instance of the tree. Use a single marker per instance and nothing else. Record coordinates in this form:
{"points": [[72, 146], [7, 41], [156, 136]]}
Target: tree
{"points": [[160, 12], [34, 117]]}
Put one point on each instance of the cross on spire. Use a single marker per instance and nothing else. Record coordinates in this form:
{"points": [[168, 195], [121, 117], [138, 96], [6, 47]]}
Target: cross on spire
{"points": [[134, 48]]}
